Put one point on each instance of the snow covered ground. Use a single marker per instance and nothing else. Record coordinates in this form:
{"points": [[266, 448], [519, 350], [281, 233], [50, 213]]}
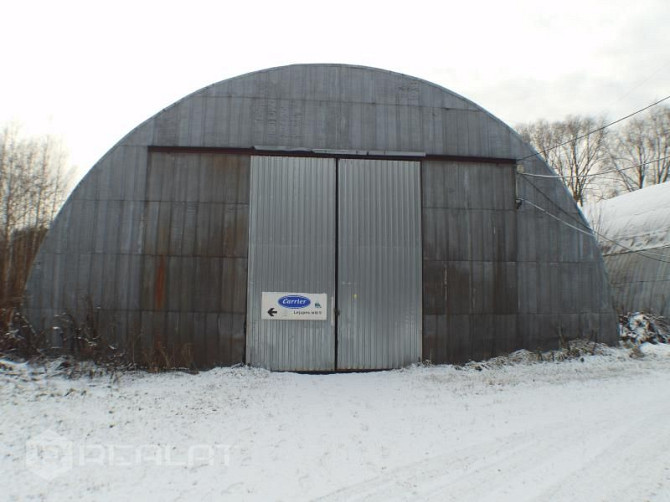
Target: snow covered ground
{"points": [[595, 429]]}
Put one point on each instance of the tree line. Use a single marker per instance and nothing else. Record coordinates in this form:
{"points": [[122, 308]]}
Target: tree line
{"points": [[33, 173], [597, 162]]}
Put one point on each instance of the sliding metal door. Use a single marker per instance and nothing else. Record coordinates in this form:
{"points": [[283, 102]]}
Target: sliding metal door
{"points": [[379, 264], [291, 250], [303, 211]]}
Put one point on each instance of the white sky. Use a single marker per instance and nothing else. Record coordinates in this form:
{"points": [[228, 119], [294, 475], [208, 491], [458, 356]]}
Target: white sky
{"points": [[90, 71]]}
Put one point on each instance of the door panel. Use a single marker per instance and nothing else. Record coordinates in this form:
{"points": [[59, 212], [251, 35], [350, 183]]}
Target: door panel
{"points": [[291, 249], [379, 264]]}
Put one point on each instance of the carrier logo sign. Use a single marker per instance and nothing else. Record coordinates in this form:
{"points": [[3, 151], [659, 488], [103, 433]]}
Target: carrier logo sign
{"points": [[294, 302], [294, 306]]}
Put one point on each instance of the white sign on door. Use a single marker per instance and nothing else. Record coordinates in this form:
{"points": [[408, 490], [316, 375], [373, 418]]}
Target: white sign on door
{"points": [[294, 306]]}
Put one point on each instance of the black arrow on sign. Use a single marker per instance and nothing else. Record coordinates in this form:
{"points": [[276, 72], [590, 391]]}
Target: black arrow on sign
{"points": [[272, 312]]}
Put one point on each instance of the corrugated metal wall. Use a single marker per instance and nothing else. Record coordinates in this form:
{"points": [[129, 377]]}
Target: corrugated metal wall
{"points": [[96, 236], [291, 249], [194, 268], [469, 260], [379, 264], [641, 281], [562, 285]]}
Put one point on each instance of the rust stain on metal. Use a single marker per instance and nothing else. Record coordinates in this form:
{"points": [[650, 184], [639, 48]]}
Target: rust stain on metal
{"points": [[159, 286]]}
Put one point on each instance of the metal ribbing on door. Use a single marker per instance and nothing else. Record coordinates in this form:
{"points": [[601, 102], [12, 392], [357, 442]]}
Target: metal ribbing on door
{"points": [[291, 249], [379, 264]]}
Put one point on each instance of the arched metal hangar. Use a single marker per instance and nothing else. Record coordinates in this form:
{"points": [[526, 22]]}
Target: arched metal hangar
{"points": [[323, 217], [634, 231]]}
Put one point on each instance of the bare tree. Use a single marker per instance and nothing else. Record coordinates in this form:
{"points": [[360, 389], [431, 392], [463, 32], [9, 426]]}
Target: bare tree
{"points": [[574, 147], [639, 152], [31, 191]]}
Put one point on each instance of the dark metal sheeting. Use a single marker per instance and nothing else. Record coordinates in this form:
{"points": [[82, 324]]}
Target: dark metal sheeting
{"points": [[153, 245]]}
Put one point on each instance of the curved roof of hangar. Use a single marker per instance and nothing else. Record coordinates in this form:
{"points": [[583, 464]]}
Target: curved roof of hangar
{"points": [[331, 106]]}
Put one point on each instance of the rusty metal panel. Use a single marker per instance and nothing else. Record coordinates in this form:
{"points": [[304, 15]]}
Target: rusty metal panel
{"points": [[186, 244], [473, 249], [291, 249], [379, 264]]}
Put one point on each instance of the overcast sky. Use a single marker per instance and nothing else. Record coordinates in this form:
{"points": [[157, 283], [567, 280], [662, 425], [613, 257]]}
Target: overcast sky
{"points": [[90, 71]]}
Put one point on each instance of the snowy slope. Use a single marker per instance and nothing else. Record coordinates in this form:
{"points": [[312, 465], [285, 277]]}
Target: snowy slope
{"points": [[579, 430]]}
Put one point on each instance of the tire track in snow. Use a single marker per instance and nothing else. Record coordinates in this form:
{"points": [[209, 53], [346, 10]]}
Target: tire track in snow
{"points": [[539, 464], [643, 454], [431, 476]]}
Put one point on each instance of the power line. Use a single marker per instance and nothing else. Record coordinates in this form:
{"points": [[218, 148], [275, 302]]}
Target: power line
{"points": [[654, 256], [553, 202], [639, 83], [595, 130], [587, 230], [599, 173], [615, 170]]}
